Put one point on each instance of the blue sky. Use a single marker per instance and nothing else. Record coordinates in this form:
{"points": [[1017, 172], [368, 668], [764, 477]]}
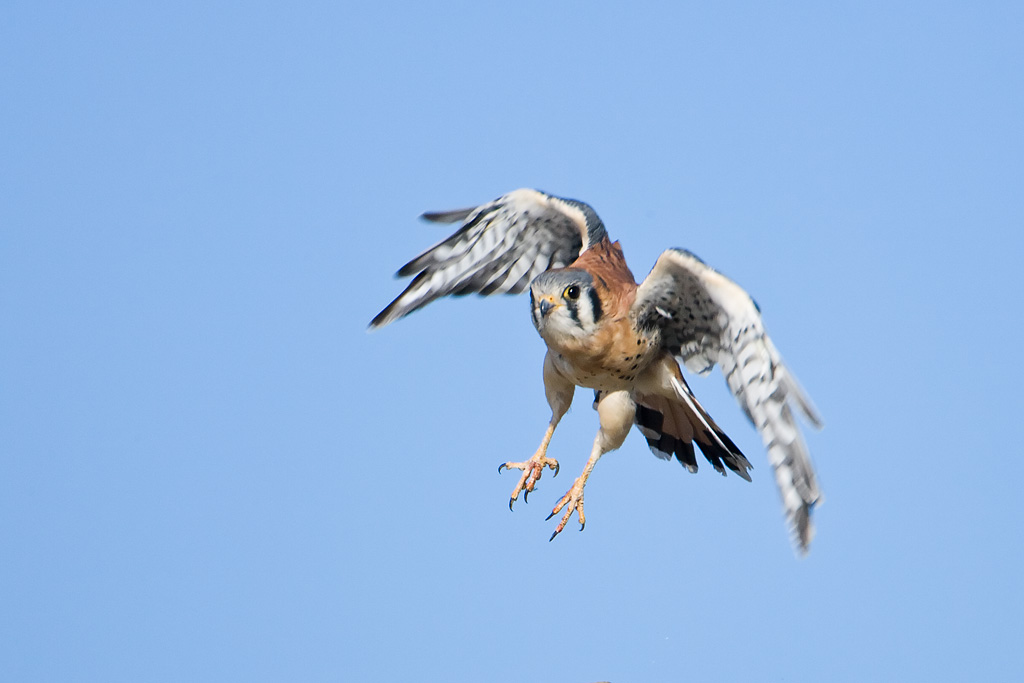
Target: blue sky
{"points": [[209, 470]]}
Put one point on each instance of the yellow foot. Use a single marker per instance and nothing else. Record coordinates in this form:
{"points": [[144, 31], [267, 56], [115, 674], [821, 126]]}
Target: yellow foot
{"points": [[572, 501], [532, 470]]}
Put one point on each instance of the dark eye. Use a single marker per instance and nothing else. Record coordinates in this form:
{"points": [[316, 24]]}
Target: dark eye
{"points": [[572, 292]]}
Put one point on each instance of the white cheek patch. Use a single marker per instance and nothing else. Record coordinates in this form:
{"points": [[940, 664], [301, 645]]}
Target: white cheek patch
{"points": [[559, 324]]}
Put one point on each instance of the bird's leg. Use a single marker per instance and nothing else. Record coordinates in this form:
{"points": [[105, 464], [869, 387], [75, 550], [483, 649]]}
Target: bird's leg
{"points": [[573, 498], [533, 467], [616, 411], [559, 392]]}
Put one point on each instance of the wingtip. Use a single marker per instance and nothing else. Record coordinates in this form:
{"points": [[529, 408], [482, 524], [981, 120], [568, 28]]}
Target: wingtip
{"points": [[446, 216], [802, 543], [382, 319], [802, 526], [411, 268]]}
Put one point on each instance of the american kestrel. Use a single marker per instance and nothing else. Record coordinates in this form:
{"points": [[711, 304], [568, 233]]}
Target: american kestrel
{"points": [[606, 333]]}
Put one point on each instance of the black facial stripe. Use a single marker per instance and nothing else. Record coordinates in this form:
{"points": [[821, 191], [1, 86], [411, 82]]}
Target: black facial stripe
{"points": [[574, 311], [595, 304]]}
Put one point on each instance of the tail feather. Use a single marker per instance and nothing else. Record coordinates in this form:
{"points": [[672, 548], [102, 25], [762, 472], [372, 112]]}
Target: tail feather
{"points": [[665, 436], [672, 426]]}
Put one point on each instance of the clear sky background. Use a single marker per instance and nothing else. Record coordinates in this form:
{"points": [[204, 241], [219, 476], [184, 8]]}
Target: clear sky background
{"points": [[210, 471]]}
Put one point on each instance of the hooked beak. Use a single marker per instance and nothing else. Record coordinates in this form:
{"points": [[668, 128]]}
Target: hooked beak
{"points": [[545, 306]]}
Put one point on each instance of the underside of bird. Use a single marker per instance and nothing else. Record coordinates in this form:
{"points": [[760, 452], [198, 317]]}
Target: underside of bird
{"points": [[664, 410]]}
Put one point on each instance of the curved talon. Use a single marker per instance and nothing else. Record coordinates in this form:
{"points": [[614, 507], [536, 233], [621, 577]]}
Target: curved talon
{"points": [[555, 468], [571, 502], [532, 471]]}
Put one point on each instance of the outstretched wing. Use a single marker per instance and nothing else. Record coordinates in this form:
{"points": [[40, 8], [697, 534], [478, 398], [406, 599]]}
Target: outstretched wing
{"points": [[500, 248], [704, 318]]}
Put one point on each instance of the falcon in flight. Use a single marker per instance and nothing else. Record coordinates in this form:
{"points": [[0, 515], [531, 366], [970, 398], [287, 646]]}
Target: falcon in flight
{"points": [[623, 340]]}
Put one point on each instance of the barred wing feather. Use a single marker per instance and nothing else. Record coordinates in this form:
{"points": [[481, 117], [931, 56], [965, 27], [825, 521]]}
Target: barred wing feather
{"points": [[500, 247], [706, 318]]}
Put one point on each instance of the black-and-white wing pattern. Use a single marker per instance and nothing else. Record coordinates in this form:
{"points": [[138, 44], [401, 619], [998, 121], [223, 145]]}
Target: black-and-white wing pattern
{"points": [[500, 248], [705, 318]]}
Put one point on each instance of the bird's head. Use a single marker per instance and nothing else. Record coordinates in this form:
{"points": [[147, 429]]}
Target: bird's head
{"points": [[564, 302]]}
